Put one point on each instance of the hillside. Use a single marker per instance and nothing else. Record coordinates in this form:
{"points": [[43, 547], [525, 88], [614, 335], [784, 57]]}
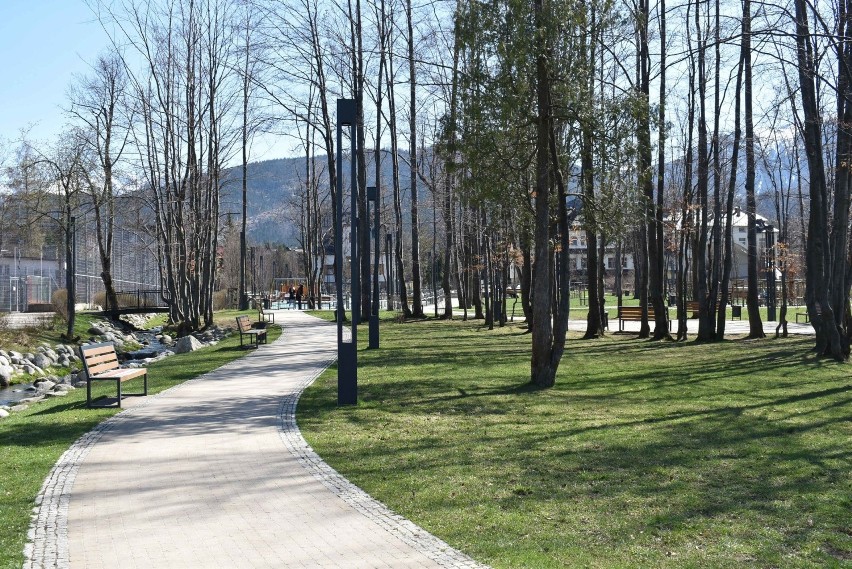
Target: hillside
{"points": [[273, 188]]}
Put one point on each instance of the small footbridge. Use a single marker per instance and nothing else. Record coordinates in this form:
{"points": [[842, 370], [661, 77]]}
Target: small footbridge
{"points": [[141, 301]]}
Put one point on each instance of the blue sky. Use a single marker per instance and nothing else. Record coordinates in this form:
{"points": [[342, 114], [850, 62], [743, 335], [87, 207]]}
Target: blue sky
{"points": [[43, 44]]}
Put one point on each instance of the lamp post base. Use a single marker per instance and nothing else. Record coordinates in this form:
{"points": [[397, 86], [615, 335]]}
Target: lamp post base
{"points": [[347, 374], [374, 331]]}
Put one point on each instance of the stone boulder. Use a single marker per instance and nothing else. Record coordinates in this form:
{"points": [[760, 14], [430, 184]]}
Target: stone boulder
{"points": [[187, 344], [6, 372], [45, 385], [42, 360]]}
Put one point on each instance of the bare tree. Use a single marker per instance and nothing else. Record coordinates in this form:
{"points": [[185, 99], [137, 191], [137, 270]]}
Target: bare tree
{"points": [[417, 294], [66, 164], [100, 103], [185, 93]]}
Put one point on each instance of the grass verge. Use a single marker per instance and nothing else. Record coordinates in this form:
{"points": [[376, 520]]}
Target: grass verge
{"points": [[644, 454], [32, 440]]}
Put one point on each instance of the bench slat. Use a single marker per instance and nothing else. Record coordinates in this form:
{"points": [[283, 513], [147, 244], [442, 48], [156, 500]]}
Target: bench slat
{"points": [[97, 350], [110, 357], [100, 368], [123, 374]]}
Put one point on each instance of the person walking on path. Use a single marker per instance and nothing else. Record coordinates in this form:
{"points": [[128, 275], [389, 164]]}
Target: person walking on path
{"points": [[215, 473], [300, 292]]}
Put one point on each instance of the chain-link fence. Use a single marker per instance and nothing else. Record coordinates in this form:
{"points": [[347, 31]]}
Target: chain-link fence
{"points": [[23, 293]]}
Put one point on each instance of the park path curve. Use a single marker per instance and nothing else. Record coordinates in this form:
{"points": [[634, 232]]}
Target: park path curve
{"points": [[214, 473]]}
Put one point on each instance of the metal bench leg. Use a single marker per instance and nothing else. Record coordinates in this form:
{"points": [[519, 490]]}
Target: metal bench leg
{"points": [[118, 388]]}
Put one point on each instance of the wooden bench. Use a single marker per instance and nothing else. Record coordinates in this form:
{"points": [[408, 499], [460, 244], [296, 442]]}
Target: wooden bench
{"points": [[264, 316], [807, 314], [100, 362], [326, 300], [692, 308], [245, 327], [634, 314]]}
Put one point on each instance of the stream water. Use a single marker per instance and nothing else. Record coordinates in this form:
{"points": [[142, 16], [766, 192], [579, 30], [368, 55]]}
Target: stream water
{"points": [[14, 393]]}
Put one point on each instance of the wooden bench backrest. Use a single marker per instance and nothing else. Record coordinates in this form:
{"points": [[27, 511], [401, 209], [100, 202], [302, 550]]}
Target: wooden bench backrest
{"points": [[244, 323], [98, 358], [627, 312]]}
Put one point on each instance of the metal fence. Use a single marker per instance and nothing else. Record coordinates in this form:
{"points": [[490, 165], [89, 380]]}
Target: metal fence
{"points": [[22, 293]]}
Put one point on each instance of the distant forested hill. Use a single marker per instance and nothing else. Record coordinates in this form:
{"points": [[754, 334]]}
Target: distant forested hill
{"points": [[272, 211], [271, 186]]}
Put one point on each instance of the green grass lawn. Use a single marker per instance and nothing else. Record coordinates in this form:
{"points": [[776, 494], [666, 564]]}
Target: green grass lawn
{"points": [[644, 454], [32, 440], [27, 339]]}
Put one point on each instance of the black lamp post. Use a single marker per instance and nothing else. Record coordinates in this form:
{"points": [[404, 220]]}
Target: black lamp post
{"points": [[373, 197], [253, 274], [770, 273], [347, 354], [389, 269], [71, 276], [434, 281]]}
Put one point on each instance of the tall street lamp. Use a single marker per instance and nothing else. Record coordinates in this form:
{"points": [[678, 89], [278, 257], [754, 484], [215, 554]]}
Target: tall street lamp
{"points": [[373, 198], [770, 273], [347, 354], [389, 269], [432, 258]]}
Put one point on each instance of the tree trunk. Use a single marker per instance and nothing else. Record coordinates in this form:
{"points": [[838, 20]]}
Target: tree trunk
{"points": [[818, 261], [417, 293], [754, 319], [542, 372], [706, 320], [451, 168], [397, 197], [735, 152]]}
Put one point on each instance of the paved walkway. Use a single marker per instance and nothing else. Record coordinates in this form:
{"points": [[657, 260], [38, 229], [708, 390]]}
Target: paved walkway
{"points": [[732, 327], [214, 473]]}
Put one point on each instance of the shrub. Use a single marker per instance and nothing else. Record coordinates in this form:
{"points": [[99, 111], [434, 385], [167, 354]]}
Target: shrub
{"points": [[99, 299], [60, 303], [221, 300]]}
